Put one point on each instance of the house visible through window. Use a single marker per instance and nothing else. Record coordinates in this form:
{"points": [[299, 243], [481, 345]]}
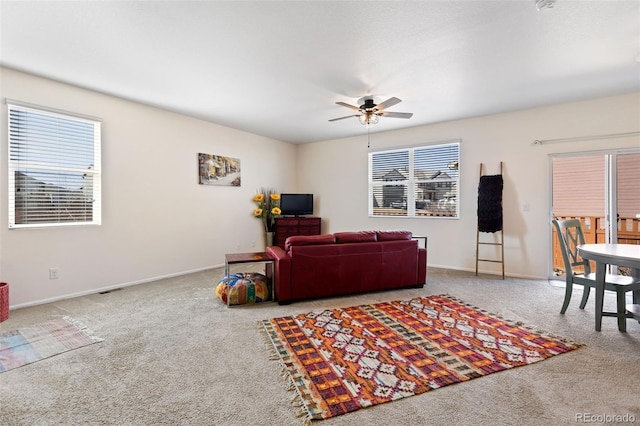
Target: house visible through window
{"points": [[415, 182], [54, 168]]}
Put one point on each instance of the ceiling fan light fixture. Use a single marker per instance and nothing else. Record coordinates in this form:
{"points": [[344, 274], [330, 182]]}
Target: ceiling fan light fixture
{"points": [[369, 113], [368, 118]]}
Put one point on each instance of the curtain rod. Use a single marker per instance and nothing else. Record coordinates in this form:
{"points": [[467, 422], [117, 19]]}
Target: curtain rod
{"points": [[585, 138]]}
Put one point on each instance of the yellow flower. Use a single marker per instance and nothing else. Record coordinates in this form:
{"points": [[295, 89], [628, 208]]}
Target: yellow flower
{"points": [[258, 198], [275, 197], [257, 212], [276, 211]]}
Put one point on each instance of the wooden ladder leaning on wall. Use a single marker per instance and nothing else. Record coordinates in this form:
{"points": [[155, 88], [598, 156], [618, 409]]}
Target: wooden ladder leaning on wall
{"points": [[496, 206]]}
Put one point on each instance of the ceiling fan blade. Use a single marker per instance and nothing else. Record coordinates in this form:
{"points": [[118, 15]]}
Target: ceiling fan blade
{"points": [[342, 118], [388, 103], [348, 106], [397, 114]]}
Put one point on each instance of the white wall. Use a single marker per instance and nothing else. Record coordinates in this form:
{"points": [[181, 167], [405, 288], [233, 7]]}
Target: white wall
{"points": [[157, 220], [336, 171]]}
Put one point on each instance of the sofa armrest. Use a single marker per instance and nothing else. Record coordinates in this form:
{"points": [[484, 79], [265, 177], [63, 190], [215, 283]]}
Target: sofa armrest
{"points": [[422, 266], [282, 273], [276, 253]]}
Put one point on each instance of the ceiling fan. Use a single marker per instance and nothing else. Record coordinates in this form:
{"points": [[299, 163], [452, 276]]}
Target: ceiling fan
{"points": [[369, 112]]}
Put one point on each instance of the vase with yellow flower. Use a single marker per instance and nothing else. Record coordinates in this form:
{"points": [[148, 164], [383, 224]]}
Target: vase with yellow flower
{"points": [[267, 209]]}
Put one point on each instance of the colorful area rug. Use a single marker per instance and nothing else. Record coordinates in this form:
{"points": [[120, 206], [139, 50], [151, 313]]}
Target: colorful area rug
{"points": [[342, 360], [31, 344]]}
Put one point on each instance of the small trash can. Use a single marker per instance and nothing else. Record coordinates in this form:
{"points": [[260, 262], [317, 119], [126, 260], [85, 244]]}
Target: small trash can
{"points": [[4, 301]]}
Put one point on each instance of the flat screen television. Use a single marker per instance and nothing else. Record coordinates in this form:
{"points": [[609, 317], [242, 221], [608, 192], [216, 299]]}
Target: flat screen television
{"points": [[296, 204]]}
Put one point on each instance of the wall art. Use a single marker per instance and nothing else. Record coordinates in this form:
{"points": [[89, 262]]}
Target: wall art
{"points": [[218, 170]]}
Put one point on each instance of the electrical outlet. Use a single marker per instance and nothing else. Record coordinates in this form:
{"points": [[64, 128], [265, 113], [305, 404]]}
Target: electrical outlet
{"points": [[54, 273], [253, 244], [238, 247]]}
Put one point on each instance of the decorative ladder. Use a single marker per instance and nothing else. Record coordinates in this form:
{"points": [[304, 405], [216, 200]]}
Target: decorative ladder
{"points": [[479, 243]]}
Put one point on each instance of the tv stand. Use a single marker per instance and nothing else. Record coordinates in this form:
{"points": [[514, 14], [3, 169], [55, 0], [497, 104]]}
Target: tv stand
{"points": [[286, 226]]}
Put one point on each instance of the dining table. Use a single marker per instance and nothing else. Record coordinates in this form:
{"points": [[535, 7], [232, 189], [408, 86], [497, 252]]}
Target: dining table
{"points": [[611, 254]]}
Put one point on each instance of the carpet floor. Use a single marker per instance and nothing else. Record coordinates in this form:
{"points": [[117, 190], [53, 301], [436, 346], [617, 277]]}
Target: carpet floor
{"points": [[175, 355]]}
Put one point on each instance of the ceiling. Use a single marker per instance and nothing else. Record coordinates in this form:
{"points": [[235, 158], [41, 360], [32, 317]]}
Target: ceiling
{"points": [[276, 68]]}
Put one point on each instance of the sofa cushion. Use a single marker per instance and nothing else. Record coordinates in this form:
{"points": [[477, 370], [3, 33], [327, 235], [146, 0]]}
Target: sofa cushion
{"points": [[355, 237], [393, 235], [308, 240], [400, 263]]}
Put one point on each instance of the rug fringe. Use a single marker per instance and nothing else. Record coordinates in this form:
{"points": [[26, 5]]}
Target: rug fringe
{"points": [[82, 327], [297, 400], [291, 385], [307, 421]]}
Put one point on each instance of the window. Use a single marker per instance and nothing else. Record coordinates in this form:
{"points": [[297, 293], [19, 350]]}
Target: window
{"points": [[415, 182], [54, 168]]}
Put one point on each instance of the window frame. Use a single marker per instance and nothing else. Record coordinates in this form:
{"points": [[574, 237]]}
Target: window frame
{"points": [[58, 171], [412, 182]]}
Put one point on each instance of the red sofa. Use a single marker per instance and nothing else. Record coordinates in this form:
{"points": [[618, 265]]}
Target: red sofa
{"points": [[346, 263]]}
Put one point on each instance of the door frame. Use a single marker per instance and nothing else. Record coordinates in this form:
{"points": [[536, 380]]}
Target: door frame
{"points": [[611, 197]]}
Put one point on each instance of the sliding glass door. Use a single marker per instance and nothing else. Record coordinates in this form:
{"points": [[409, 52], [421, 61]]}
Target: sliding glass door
{"points": [[627, 190], [602, 190]]}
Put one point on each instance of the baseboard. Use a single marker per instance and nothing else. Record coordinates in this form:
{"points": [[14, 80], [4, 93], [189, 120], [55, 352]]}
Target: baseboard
{"points": [[110, 288], [177, 274], [485, 272]]}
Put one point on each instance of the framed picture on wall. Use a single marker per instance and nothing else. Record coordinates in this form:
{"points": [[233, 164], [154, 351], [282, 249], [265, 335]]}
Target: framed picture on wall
{"points": [[218, 170]]}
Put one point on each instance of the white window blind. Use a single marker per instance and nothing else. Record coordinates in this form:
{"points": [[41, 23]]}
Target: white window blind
{"points": [[415, 182], [54, 168], [579, 185]]}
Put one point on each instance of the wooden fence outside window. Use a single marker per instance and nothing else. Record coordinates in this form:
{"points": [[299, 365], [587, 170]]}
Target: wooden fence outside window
{"points": [[593, 229]]}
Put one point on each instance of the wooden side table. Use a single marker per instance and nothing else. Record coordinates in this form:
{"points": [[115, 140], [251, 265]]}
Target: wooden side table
{"points": [[255, 257]]}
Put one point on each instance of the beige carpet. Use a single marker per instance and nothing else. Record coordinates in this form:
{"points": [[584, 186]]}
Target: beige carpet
{"points": [[173, 355]]}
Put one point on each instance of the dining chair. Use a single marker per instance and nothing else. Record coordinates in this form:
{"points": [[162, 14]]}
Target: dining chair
{"points": [[634, 310], [570, 236]]}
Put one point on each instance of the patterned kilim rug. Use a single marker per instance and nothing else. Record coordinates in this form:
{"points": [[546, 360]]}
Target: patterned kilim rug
{"points": [[31, 344], [341, 360]]}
